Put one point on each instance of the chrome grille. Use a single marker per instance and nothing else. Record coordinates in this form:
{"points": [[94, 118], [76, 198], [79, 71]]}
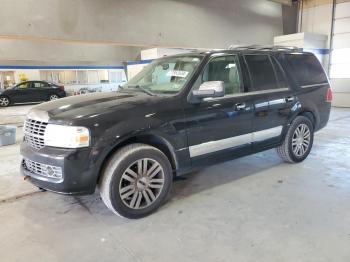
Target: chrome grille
{"points": [[43, 169], [34, 133]]}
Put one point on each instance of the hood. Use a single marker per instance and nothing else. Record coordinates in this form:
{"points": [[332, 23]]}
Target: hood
{"points": [[77, 108]]}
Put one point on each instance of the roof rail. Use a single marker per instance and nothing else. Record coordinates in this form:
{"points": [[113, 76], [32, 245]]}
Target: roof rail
{"points": [[266, 48]]}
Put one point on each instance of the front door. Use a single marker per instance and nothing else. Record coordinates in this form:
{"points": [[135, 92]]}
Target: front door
{"points": [[21, 93], [220, 127]]}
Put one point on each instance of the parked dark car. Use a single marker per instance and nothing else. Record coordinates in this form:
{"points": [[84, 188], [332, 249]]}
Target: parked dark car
{"points": [[30, 92], [179, 114]]}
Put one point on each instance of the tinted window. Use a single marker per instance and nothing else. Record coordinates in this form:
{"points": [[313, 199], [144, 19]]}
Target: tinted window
{"points": [[281, 78], [306, 69], [261, 72], [223, 68], [23, 85], [40, 85]]}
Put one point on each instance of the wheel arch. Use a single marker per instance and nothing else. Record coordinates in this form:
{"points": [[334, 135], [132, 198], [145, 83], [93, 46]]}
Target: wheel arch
{"points": [[310, 115], [149, 139]]}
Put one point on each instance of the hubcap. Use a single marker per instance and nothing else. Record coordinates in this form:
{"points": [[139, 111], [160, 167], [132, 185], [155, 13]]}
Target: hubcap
{"points": [[4, 101], [301, 140], [141, 183], [53, 97]]}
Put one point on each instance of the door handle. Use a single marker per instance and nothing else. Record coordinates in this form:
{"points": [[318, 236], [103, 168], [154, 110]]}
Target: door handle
{"points": [[240, 106], [289, 99]]}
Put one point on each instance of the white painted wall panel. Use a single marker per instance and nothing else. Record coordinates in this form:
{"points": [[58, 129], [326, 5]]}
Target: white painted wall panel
{"points": [[342, 10], [317, 19], [340, 85], [340, 66], [342, 25], [341, 41]]}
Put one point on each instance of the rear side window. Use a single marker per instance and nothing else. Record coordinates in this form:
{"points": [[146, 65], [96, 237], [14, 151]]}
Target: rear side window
{"points": [[261, 72], [306, 69], [40, 85], [280, 76]]}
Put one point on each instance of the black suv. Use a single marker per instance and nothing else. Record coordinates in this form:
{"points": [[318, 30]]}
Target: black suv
{"points": [[178, 114], [31, 92]]}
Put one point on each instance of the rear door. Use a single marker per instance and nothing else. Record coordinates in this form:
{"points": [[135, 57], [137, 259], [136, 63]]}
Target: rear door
{"points": [[273, 99], [41, 91], [220, 128]]}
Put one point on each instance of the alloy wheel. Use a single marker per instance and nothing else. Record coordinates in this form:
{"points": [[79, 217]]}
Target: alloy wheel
{"points": [[53, 97], [4, 101], [301, 140], [141, 183]]}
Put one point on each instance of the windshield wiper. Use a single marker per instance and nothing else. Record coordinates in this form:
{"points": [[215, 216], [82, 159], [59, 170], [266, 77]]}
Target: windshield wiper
{"points": [[145, 90]]}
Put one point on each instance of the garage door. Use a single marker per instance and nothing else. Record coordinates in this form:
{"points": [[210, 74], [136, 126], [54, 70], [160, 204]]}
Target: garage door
{"points": [[340, 63]]}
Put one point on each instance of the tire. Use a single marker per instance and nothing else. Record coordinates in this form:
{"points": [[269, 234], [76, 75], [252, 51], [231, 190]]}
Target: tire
{"points": [[53, 97], [4, 101], [298, 141], [128, 178]]}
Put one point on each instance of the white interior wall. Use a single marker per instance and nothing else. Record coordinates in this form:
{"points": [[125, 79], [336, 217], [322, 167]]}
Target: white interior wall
{"points": [[181, 23], [108, 32], [317, 18]]}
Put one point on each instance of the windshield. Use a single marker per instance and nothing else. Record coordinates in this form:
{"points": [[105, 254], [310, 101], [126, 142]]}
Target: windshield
{"points": [[165, 76]]}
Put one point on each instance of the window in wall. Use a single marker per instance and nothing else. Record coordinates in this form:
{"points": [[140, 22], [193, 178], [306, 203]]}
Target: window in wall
{"points": [[223, 68], [103, 76], [261, 72], [306, 69], [93, 77], [70, 77], [82, 77]]}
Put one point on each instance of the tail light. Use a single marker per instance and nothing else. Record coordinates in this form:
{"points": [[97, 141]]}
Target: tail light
{"points": [[329, 95], [62, 88]]}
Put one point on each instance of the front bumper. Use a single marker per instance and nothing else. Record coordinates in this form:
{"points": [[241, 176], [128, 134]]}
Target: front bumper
{"points": [[79, 174]]}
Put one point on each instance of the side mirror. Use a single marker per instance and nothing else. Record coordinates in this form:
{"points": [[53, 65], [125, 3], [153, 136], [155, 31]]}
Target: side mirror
{"points": [[209, 89]]}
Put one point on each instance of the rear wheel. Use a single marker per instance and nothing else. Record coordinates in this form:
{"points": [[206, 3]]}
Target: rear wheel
{"points": [[298, 141], [136, 181], [53, 97], [4, 101]]}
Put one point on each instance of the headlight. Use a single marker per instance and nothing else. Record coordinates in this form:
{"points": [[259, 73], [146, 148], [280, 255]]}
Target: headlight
{"points": [[66, 136]]}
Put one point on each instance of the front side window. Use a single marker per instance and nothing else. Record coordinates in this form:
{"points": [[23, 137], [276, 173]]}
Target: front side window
{"points": [[166, 75], [23, 85], [261, 72], [225, 69]]}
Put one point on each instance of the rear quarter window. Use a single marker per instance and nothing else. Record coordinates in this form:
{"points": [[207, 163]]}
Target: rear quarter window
{"points": [[305, 69]]}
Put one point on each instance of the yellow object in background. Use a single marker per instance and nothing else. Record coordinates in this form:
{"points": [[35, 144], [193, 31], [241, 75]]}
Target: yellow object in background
{"points": [[23, 77]]}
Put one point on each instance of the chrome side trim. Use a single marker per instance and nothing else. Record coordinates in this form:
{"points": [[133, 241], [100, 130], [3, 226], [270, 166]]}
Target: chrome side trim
{"points": [[322, 84], [213, 146], [268, 91], [266, 134]]}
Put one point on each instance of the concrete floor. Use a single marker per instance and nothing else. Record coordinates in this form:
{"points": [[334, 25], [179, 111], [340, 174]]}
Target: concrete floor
{"points": [[256, 208]]}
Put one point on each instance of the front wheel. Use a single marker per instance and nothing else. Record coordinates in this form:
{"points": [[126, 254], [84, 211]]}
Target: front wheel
{"points": [[4, 101], [298, 141], [136, 181]]}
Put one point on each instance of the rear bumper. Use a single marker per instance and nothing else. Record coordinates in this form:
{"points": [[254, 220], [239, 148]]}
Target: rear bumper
{"points": [[78, 174]]}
